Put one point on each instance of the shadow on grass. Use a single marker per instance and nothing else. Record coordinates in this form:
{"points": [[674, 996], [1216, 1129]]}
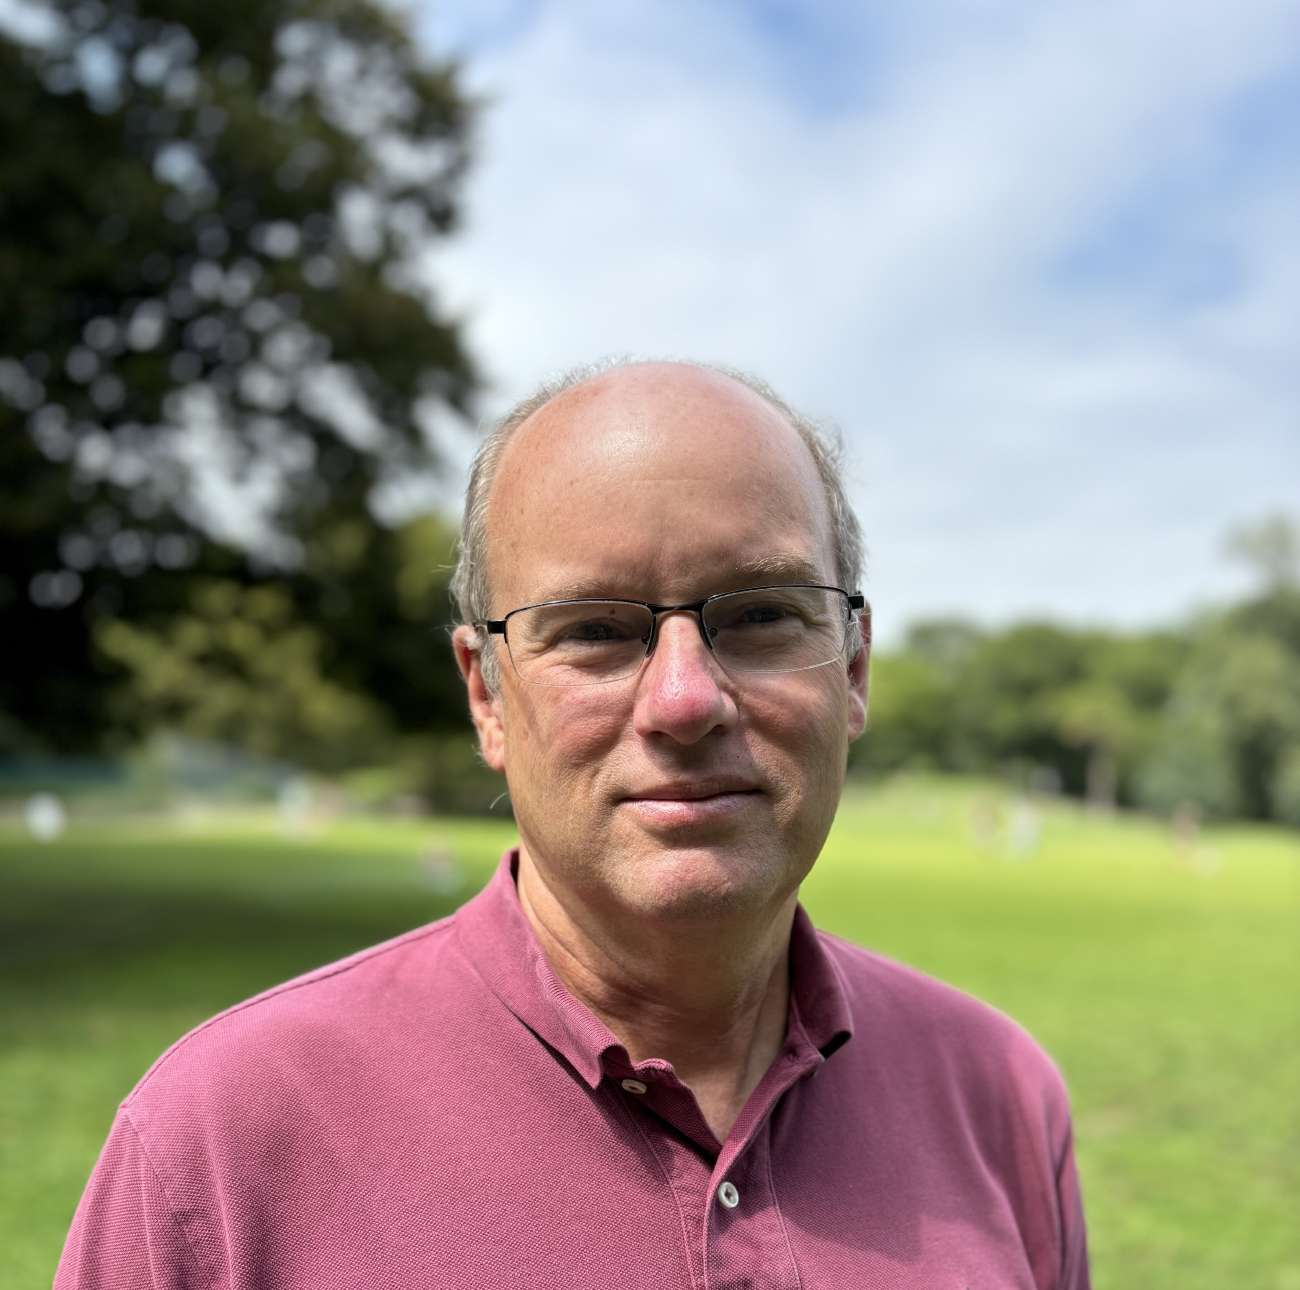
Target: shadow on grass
{"points": [[201, 935], [112, 947]]}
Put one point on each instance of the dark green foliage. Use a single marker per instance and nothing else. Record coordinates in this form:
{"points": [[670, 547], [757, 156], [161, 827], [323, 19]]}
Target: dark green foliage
{"points": [[1081, 706], [1207, 718], [1232, 743], [218, 351]]}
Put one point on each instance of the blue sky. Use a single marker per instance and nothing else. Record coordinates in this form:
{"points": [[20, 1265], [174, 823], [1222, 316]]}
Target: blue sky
{"points": [[1039, 261]]}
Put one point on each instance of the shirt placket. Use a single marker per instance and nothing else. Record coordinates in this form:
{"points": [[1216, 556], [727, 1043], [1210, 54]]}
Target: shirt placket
{"points": [[746, 1246], [731, 1221]]}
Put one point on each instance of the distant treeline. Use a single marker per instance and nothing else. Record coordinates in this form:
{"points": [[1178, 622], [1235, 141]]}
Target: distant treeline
{"points": [[1207, 715]]}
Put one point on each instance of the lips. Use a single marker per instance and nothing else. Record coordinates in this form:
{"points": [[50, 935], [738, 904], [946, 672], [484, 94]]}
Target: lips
{"points": [[693, 790], [709, 802]]}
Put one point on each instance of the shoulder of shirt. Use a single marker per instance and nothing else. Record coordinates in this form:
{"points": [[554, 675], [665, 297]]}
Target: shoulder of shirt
{"points": [[301, 987], [930, 1012]]}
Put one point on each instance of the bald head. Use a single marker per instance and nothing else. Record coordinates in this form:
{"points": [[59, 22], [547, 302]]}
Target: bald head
{"points": [[558, 468], [646, 449]]}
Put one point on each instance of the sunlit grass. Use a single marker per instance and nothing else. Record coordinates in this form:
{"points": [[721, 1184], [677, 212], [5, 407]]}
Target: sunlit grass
{"points": [[121, 936], [1163, 981]]}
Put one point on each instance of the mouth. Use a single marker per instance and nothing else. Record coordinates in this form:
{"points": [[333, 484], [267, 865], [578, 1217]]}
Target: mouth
{"points": [[693, 790], [695, 801]]}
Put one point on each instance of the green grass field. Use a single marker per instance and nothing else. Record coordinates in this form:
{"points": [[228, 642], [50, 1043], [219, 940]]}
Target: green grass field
{"points": [[1163, 981]]}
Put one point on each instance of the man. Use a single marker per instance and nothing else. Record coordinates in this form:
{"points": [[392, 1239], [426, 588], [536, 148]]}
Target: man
{"points": [[630, 1062]]}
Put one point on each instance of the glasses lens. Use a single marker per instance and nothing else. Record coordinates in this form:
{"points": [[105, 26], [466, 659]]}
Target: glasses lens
{"points": [[778, 629], [578, 642]]}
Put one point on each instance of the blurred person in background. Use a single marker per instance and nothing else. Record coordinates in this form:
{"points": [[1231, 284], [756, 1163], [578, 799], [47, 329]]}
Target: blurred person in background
{"points": [[631, 1060]]}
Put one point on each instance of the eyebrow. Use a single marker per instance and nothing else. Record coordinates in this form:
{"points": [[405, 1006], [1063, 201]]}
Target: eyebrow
{"points": [[783, 568]]}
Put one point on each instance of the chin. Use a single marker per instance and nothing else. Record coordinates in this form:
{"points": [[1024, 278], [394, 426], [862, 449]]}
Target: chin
{"points": [[702, 883]]}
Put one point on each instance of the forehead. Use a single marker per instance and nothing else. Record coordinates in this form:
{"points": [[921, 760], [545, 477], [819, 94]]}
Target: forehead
{"points": [[655, 480]]}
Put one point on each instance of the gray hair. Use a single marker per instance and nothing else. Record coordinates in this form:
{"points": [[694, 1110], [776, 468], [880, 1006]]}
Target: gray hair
{"points": [[470, 585]]}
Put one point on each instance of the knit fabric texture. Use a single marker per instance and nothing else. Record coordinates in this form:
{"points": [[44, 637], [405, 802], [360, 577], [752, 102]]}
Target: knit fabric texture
{"points": [[440, 1112]]}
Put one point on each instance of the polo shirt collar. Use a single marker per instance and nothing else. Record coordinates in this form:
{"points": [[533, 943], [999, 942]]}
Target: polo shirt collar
{"points": [[499, 941]]}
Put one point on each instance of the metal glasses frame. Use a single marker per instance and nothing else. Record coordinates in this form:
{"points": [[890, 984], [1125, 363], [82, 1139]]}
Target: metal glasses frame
{"points": [[499, 626]]}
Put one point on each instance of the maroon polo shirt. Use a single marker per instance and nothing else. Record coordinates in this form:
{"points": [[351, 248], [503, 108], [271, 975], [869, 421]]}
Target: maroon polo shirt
{"points": [[440, 1112]]}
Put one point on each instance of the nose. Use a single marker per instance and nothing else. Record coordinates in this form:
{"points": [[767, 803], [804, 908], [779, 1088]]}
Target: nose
{"points": [[682, 692]]}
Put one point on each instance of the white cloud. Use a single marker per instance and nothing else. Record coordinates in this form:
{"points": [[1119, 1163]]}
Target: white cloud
{"points": [[1029, 257]]}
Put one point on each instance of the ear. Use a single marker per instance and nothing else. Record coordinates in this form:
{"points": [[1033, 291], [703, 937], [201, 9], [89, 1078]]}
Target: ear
{"points": [[484, 706], [859, 678]]}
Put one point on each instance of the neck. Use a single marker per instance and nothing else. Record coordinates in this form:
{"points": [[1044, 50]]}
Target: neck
{"points": [[711, 999]]}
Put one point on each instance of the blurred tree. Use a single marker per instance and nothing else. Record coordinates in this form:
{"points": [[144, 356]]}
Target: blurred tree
{"points": [[1113, 713], [241, 667], [1272, 548], [1008, 697], [910, 716], [1286, 787], [1208, 717], [221, 359], [1231, 737], [1190, 765], [1084, 705], [1095, 715]]}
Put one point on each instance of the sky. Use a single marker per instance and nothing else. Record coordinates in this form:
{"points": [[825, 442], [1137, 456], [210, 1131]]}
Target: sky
{"points": [[1038, 262]]}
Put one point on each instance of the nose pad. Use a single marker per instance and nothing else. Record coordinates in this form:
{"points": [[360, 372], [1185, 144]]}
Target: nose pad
{"points": [[653, 639]]}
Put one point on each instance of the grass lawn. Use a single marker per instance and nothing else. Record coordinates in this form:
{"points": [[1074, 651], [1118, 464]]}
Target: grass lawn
{"points": [[1166, 984]]}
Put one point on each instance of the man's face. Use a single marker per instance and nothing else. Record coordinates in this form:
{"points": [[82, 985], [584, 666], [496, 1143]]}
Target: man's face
{"points": [[682, 791]]}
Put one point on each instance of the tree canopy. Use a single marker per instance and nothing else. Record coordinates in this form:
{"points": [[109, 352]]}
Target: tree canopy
{"points": [[1205, 716], [223, 368]]}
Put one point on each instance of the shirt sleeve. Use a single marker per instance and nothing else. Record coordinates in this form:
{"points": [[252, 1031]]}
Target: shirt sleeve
{"points": [[124, 1235], [1074, 1239]]}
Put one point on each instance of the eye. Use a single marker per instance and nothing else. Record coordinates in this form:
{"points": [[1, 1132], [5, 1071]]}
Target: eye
{"points": [[763, 614], [596, 629], [608, 629], [760, 613]]}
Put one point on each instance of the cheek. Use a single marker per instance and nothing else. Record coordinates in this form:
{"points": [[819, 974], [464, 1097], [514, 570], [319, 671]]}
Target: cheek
{"points": [[559, 733], [804, 733]]}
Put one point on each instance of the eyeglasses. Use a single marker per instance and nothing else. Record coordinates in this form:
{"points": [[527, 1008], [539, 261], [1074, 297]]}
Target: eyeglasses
{"points": [[760, 629]]}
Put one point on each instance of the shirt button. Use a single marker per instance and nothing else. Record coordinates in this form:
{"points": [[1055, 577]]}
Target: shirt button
{"points": [[728, 1195], [634, 1086]]}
